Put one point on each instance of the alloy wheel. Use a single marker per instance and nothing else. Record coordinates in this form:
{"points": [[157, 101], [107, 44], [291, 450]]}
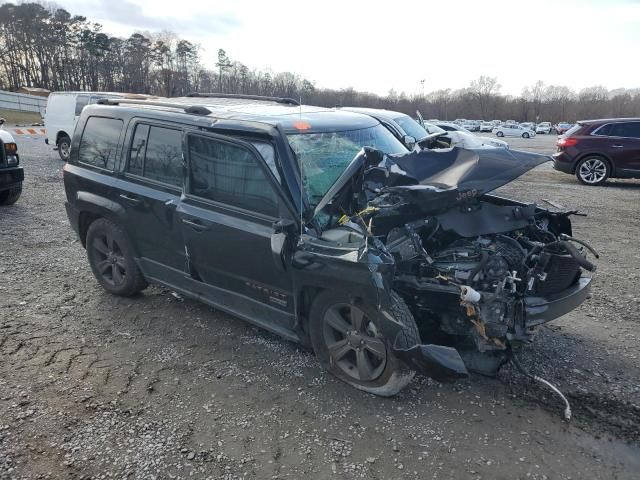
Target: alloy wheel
{"points": [[593, 171], [110, 263], [353, 343]]}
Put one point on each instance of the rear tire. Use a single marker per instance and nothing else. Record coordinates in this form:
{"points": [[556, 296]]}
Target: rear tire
{"points": [[499, 134], [593, 171], [64, 147], [350, 346], [112, 260], [11, 196]]}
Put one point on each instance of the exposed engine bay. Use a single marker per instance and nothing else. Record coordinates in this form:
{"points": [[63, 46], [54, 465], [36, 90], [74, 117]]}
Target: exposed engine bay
{"points": [[478, 272]]}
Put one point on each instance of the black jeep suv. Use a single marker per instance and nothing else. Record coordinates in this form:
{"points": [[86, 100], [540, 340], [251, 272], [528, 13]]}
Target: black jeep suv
{"points": [[319, 225], [11, 174]]}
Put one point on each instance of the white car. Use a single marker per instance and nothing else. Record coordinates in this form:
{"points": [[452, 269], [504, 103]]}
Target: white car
{"points": [[544, 127], [529, 125], [11, 175], [512, 130], [471, 126], [486, 126], [461, 137]]}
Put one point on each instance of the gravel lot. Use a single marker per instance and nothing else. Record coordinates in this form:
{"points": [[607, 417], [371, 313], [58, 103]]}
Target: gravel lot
{"points": [[95, 386]]}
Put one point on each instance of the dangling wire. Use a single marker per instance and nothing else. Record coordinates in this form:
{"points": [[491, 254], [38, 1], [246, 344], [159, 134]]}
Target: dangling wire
{"points": [[567, 409]]}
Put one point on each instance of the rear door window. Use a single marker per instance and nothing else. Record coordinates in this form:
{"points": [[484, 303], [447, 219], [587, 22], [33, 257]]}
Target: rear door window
{"points": [[626, 129], [99, 143], [156, 154], [230, 174]]}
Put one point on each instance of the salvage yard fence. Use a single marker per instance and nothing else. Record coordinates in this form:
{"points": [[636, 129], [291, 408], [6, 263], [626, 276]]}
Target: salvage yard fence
{"points": [[22, 103]]}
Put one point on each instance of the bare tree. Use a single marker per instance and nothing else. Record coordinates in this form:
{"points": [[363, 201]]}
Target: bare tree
{"points": [[484, 90], [46, 46]]}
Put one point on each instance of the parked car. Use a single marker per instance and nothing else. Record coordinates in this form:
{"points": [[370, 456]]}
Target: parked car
{"points": [[319, 225], [11, 173], [62, 112], [402, 126], [513, 130], [413, 132], [496, 123], [510, 122], [486, 126], [562, 127], [528, 125], [544, 127], [464, 138], [470, 126], [595, 150]]}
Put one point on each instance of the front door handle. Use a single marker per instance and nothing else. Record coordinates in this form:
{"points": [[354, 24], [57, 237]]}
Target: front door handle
{"points": [[197, 225], [130, 199], [617, 146]]}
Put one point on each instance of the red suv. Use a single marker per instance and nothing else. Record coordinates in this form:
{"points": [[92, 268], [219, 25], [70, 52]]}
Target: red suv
{"points": [[595, 150]]}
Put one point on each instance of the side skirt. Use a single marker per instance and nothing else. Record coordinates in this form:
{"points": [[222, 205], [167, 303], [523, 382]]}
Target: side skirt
{"points": [[241, 306]]}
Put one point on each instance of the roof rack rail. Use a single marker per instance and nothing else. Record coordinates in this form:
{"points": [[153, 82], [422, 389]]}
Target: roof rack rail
{"points": [[286, 101], [192, 109]]}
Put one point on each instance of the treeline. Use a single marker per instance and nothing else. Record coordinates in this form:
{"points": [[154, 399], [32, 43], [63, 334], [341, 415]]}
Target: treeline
{"points": [[50, 48]]}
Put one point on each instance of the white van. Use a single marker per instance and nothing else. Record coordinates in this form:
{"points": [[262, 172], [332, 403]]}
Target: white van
{"points": [[63, 110]]}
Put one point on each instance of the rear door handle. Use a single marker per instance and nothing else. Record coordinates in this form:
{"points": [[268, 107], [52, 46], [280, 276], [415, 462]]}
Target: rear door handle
{"points": [[617, 146], [197, 225], [129, 199]]}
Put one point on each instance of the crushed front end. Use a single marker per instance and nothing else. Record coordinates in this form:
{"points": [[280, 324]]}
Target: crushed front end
{"points": [[478, 272], [484, 289]]}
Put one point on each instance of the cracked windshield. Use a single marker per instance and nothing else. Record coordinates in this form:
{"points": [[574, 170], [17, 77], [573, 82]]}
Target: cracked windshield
{"points": [[324, 156]]}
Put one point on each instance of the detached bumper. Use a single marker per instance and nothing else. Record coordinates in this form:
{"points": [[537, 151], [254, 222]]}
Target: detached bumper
{"points": [[10, 177], [542, 310], [443, 364]]}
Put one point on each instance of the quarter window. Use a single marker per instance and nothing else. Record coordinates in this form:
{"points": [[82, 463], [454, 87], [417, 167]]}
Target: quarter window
{"points": [[99, 142], [156, 153], [603, 131], [229, 174]]}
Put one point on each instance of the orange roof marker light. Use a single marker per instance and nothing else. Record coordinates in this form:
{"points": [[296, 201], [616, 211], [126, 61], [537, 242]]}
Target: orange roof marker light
{"points": [[301, 125]]}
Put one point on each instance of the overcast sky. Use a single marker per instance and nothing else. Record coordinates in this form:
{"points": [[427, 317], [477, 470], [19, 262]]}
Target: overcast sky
{"points": [[378, 45]]}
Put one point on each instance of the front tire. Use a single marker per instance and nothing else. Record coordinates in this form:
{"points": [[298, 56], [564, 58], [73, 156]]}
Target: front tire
{"points": [[592, 171], [499, 134], [112, 260], [64, 147], [349, 345], [525, 135], [11, 196]]}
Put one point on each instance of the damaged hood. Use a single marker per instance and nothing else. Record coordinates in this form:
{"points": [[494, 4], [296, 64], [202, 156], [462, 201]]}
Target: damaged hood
{"points": [[465, 173]]}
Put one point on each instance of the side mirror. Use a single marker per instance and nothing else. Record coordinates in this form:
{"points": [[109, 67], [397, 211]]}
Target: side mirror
{"points": [[284, 225], [409, 141]]}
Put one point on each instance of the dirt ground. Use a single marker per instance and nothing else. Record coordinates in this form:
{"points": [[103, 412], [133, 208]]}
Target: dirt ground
{"points": [[157, 387], [12, 116]]}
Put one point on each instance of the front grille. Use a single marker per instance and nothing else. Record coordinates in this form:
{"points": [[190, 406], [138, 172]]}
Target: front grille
{"points": [[562, 272]]}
